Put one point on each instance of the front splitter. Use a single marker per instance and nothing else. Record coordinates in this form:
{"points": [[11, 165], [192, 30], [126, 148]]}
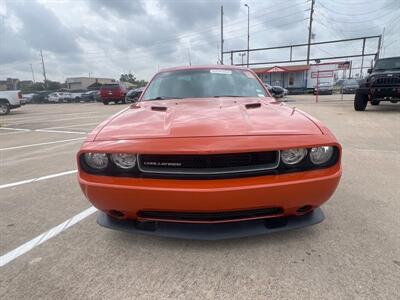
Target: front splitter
{"points": [[214, 231]]}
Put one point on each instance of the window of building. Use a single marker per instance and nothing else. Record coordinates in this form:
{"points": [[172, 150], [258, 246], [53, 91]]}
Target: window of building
{"points": [[291, 79]]}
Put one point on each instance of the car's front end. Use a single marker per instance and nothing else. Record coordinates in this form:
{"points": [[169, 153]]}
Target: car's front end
{"points": [[384, 86], [209, 168]]}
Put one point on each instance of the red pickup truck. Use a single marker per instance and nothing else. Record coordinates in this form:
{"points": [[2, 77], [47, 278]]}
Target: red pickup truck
{"points": [[113, 92]]}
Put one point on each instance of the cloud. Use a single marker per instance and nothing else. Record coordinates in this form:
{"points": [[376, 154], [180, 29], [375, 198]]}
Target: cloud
{"points": [[12, 47], [41, 29], [187, 15], [122, 8], [107, 37]]}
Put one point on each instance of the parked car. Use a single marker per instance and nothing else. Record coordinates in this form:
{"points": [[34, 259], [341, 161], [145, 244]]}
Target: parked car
{"points": [[28, 97], [55, 97], [89, 96], [206, 153], [9, 100], [133, 95], [113, 92], [276, 91], [41, 97], [347, 86], [97, 96], [76, 96], [323, 88], [382, 84]]}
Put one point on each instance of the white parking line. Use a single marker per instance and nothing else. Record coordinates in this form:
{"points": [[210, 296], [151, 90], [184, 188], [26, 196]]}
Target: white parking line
{"points": [[12, 132], [60, 131], [40, 130], [75, 125], [16, 129], [40, 239], [41, 144], [8, 185]]}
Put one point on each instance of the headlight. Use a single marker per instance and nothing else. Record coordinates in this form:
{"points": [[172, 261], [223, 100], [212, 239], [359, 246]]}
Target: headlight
{"points": [[124, 161], [97, 161], [293, 156], [321, 155]]}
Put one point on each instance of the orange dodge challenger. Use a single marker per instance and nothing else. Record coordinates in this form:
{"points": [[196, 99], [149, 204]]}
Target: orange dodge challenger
{"points": [[207, 153]]}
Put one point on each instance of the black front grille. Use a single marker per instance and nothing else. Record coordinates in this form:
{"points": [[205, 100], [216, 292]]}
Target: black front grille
{"points": [[208, 164], [386, 81], [210, 216]]}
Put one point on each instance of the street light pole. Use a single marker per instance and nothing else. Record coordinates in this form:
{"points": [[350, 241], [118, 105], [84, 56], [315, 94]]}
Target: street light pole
{"points": [[248, 33]]}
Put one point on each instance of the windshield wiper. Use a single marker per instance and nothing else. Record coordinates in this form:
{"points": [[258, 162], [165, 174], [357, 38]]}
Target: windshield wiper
{"points": [[163, 98]]}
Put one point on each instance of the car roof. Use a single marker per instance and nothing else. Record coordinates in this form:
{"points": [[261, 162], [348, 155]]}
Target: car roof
{"points": [[204, 67]]}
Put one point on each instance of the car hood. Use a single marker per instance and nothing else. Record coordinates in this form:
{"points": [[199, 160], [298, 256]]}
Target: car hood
{"points": [[206, 117]]}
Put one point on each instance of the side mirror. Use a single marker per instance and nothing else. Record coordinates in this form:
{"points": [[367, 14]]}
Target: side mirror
{"points": [[369, 71], [275, 92]]}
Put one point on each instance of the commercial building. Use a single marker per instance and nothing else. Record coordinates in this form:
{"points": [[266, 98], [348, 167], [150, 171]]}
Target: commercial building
{"points": [[9, 84], [300, 77], [83, 83]]}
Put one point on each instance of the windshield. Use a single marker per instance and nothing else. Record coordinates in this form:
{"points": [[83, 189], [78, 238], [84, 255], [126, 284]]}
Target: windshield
{"points": [[388, 64], [203, 84]]}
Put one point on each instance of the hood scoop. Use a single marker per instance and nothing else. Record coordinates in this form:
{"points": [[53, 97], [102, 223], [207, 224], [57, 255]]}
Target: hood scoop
{"points": [[253, 105], [159, 108]]}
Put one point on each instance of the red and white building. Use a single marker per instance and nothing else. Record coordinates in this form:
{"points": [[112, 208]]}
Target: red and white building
{"points": [[300, 77]]}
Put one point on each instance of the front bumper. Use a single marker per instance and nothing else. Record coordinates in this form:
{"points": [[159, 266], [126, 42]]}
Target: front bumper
{"points": [[287, 191], [213, 231], [380, 92]]}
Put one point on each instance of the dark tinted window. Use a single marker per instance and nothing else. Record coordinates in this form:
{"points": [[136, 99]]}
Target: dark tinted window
{"points": [[388, 63], [110, 86]]}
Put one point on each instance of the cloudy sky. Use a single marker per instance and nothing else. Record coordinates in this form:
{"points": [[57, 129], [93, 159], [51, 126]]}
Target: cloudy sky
{"points": [[105, 38]]}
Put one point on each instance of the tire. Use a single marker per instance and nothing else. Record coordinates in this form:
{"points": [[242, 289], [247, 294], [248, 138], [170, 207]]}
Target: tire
{"points": [[375, 102], [4, 108], [394, 101], [360, 102], [105, 102]]}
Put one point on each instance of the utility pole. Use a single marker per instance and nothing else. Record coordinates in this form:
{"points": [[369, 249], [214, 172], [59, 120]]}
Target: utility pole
{"points": [[44, 70], [222, 34], [33, 74], [381, 42], [310, 31], [248, 33]]}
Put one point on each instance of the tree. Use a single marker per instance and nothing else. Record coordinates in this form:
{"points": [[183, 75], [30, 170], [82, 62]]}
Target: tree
{"points": [[53, 85], [132, 79], [128, 78]]}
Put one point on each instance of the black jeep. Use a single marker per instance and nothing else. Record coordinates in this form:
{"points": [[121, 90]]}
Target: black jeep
{"points": [[382, 84]]}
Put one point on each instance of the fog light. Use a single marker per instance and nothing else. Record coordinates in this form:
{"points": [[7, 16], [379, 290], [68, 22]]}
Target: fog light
{"points": [[321, 155], [97, 161]]}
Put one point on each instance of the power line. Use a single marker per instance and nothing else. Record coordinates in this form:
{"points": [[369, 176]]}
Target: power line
{"points": [[352, 14]]}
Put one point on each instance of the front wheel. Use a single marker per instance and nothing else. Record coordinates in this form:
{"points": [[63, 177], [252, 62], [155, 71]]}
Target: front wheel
{"points": [[360, 102], [105, 102], [4, 108]]}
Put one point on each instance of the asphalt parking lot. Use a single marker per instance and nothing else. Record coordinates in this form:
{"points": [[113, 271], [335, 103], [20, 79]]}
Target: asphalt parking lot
{"points": [[354, 253]]}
